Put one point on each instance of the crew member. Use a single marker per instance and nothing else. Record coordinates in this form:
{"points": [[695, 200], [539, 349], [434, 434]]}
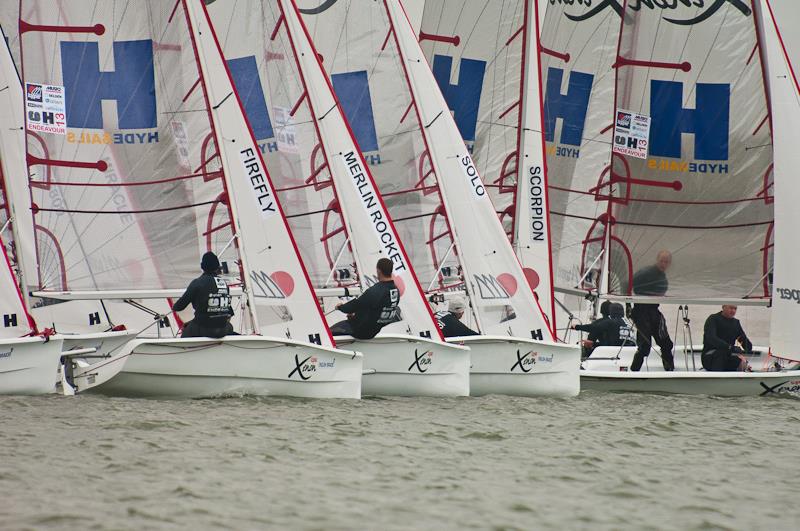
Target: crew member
{"points": [[650, 323], [450, 321], [377, 307], [211, 300], [610, 330], [720, 334]]}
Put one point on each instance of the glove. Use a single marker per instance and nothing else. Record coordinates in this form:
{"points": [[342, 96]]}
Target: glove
{"points": [[736, 349]]}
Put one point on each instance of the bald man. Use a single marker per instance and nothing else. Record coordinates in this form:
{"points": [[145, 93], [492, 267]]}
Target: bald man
{"points": [[651, 281], [721, 334]]}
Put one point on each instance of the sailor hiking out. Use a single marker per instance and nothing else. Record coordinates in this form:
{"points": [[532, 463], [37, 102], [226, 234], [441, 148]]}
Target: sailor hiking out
{"points": [[377, 307], [720, 334], [211, 299], [450, 321]]}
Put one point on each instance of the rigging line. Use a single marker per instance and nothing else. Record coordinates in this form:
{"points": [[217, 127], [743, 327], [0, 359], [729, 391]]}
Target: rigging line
{"points": [[42, 184], [310, 213], [654, 225], [166, 209]]}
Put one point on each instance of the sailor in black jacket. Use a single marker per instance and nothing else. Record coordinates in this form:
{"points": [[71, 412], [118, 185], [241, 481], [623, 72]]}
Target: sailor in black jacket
{"points": [[607, 331], [450, 321], [377, 307], [650, 323], [211, 299], [720, 334]]}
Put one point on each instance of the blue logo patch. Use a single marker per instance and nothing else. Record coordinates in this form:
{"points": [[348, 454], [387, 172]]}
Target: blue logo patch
{"points": [[131, 85], [571, 107], [464, 99], [247, 81], [709, 121], [352, 91]]}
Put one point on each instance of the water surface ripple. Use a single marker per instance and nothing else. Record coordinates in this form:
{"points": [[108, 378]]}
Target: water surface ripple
{"points": [[600, 461]]}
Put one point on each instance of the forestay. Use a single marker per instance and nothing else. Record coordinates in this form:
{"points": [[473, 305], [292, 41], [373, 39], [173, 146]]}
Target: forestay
{"points": [[338, 215], [780, 19], [485, 59], [579, 46], [277, 283], [703, 189]]}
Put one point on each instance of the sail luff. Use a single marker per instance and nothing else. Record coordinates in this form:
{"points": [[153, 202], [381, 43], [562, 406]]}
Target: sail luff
{"points": [[502, 291], [785, 98], [302, 294], [231, 203], [335, 133], [531, 221], [468, 286], [14, 170]]}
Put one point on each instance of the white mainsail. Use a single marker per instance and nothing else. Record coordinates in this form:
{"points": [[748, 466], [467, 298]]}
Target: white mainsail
{"points": [[703, 187], [500, 294], [322, 171], [485, 57], [279, 286], [780, 18], [115, 192]]}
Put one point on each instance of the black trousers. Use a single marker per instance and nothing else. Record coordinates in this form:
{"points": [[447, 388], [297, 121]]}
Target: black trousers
{"points": [[650, 324], [720, 360], [342, 328], [192, 329]]}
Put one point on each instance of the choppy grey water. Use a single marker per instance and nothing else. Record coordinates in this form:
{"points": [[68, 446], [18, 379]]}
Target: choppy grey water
{"points": [[597, 461]]}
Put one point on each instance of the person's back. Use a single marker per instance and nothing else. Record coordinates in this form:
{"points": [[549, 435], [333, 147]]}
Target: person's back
{"points": [[377, 307], [210, 298], [608, 331]]}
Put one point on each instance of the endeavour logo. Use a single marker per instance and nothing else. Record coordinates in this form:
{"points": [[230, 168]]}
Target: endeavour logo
{"points": [[789, 294], [304, 369], [421, 361], [708, 8]]}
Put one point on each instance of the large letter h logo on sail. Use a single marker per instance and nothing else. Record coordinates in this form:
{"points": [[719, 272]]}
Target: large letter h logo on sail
{"points": [[570, 107], [131, 85], [708, 121], [464, 99]]}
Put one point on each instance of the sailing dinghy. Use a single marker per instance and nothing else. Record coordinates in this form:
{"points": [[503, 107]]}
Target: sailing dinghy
{"points": [[338, 216], [437, 199], [709, 201], [151, 156]]}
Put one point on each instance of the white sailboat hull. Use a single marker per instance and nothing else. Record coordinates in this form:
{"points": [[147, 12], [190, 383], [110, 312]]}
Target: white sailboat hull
{"points": [[695, 382], [235, 366], [94, 358], [401, 365], [29, 365], [521, 367], [607, 370]]}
